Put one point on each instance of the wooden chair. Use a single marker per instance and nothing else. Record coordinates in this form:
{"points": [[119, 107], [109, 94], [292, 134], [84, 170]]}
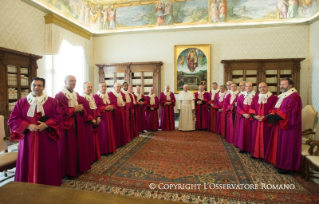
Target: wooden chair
{"points": [[308, 120], [7, 159], [313, 160], [309, 116]]}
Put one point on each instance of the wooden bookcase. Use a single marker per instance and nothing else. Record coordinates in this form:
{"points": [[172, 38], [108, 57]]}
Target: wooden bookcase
{"points": [[263, 70], [16, 71], [143, 74]]}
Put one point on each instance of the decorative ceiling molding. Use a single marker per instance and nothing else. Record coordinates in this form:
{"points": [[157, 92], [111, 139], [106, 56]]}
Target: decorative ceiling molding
{"points": [[55, 19], [68, 22]]}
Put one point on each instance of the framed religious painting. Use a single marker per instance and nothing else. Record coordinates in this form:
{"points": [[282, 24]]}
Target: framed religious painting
{"points": [[192, 67]]}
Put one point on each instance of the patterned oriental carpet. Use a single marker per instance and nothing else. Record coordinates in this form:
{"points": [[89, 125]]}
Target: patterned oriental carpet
{"points": [[191, 167]]}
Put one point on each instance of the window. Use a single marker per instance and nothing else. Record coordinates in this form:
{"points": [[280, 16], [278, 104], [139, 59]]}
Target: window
{"points": [[71, 60]]}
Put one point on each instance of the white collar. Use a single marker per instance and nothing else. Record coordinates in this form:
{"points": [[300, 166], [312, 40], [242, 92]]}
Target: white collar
{"points": [[214, 91], [234, 92], [90, 99], [251, 94], [151, 95], [264, 96], [284, 95], [167, 93], [36, 101], [116, 94], [71, 96]]}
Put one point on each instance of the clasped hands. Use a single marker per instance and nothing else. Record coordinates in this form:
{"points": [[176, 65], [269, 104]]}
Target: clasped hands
{"points": [[109, 107], [34, 128], [259, 118], [168, 103], [78, 108]]}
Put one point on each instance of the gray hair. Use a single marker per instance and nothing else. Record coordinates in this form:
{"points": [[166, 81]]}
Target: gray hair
{"points": [[85, 83]]}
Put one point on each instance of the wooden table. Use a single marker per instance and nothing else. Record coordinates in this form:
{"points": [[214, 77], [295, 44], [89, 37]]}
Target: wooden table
{"points": [[27, 193]]}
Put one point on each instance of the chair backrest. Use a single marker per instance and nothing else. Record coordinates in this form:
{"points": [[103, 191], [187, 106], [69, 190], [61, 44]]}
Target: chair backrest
{"points": [[3, 144], [308, 118], [316, 137]]}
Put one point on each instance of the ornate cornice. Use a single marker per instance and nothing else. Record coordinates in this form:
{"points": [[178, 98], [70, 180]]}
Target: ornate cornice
{"points": [[55, 19]]}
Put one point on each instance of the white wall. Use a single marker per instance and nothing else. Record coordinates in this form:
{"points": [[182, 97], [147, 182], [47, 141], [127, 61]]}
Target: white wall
{"points": [[314, 66], [277, 42], [22, 28]]}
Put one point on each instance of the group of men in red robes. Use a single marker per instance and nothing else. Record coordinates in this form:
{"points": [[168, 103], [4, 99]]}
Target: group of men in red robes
{"points": [[64, 136], [262, 124]]}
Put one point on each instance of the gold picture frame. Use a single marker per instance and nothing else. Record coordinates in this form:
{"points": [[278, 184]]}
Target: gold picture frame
{"points": [[192, 67]]}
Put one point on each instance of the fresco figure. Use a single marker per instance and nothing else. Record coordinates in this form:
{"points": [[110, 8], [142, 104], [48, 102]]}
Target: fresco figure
{"points": [[160, 14], [112, 18], [282, 8], [86, 14], [292, 9], [168, 19], [104, 20], [214, 12], [222, 11]]}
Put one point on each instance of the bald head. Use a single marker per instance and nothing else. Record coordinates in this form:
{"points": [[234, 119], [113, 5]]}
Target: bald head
{"points": [[263, 88], [228, 84], [151, 90], [138, 89], [249, 87], [70, 82], [167, 88], [242, 86], [201, 88], [102, 87], [117, 87], [87, 88]]}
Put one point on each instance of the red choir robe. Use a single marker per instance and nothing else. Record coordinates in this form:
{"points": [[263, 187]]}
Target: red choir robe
{"points": [[74, 153], [284, 148], [167, 111], [140, 112], [211, 115], [201, 110], [243, 138], [220, 116], [106, 134], [90, 129], [223, 123], [121, 127], [230, 108], [151, 116], [129, 112], [261, 130], [38, 155], [237, 117]]}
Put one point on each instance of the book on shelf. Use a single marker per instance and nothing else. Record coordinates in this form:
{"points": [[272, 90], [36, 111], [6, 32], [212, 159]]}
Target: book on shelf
{"points": [[237, 72], [271, 71], [24, 80], [11, 105], [109, 75], [12, 79], [12, 93], [146, 74], [12, 69], [24, 70]]}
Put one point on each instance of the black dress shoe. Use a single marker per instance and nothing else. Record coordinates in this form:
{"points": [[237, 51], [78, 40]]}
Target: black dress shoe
{"points": [[283, 171], [240, 151]]}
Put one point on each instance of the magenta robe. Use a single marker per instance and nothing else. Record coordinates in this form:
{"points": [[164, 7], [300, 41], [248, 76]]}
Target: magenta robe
{"points": [[74, 153], [212, 114], [130, 117], [140, 115], [284, 148], [151, 116], [121, 128], [230, 118], [105, 131], [38, 155], [167, 112], [219, 115], [201, 112], [260, 131], [243, 138], [91, 134]]}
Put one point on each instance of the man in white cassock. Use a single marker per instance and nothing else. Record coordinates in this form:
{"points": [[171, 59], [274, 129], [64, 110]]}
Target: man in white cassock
{"points": [[186, 107]]}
